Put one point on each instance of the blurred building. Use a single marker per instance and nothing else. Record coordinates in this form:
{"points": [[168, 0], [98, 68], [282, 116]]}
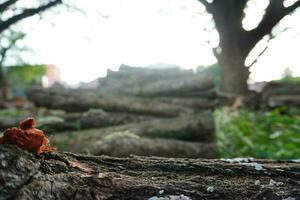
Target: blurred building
{"points": [[52, 76]]}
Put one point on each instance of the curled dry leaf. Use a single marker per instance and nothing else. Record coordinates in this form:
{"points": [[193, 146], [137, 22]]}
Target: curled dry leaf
{"points": [[27, 137]]}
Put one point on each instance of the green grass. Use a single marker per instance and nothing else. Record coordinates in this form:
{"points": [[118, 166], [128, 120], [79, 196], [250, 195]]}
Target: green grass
{"points": [[258, 134]]}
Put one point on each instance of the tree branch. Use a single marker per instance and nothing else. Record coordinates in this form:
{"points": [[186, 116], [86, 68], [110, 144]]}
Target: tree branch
{"points": [[272, 36], [293, 7], [261, 53], [206, 4], [27, 13], [6, 4], [274, 13], [12, 42]]}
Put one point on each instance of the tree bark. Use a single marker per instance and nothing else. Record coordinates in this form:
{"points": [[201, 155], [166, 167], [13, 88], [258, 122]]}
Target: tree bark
{"points": [[234, 73], [59, 175]]}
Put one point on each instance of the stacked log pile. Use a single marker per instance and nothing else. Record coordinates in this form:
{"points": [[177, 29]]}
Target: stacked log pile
{"points": [[276, 94], [136, 111]]}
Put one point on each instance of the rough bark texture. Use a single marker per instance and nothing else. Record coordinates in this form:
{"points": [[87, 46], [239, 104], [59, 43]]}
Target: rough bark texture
{"points": [[71, 176], [234, 74]]}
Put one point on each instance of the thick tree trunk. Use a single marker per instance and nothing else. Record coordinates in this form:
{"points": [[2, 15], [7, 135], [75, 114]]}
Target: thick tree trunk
{"points": [[72, 176], [234, 73]]}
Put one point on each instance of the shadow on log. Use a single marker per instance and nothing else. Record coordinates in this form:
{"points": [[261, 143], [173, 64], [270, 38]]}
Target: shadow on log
{"points": [[71, 176]]}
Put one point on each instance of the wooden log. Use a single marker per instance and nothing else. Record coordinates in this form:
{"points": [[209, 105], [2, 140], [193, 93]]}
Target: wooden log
{"points": [[198, 127], [158, 137], [202, 86], [78, 101], [276, 94], [124, 144], [283, 100], [194, 103], [97, 118], [61, 176]]}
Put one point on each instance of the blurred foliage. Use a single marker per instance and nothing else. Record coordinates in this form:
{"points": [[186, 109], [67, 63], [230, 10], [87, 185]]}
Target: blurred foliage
{"points": [[290, 79], [274, 134], [22, 77], [214, 71], [11, 46], [10, 112]]}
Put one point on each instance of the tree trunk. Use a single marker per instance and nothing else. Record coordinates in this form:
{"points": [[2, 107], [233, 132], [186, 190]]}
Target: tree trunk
{"points": [[234, 73], [72, 176]]}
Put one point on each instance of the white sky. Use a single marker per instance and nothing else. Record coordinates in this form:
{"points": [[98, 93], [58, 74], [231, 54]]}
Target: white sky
{"points": [[140, 33]]}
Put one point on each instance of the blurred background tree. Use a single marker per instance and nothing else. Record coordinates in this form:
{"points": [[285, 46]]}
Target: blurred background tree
{"points": [[235, 42], [11, 12], [8, 43]]}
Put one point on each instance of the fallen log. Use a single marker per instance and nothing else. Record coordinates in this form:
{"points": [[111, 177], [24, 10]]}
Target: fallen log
{"points": [[192, 86], [159, 137], [276, 94], [274, 101], [123, 144], [198, 127], [79, 101], [97, 118], [194, 103], [280, 88], [60, 176]]}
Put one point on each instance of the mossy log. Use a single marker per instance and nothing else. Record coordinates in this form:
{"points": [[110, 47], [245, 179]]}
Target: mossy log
{"points": [[60, 176]]}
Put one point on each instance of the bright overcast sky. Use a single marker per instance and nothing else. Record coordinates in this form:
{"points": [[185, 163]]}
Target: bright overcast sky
{"points": [[140, 33]]}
